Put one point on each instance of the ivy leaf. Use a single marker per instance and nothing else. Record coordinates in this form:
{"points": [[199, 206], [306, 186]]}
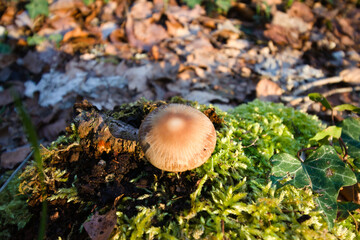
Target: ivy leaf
{"points": [[345, 208], [348, 107], [317, 97], [37, 7], [323, 171], [351, 136], [331, 131], [192, 3]]}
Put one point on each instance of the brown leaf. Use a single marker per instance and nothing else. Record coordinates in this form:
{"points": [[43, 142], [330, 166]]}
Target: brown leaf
{"points": [[283, 36], [33, 63], [8, 15], [345, 27], [290, 22], [175, 28], [185, 15], [301, 10], [63, 5], [100, 226], [62, 23], [6, 96], [351, 75], [79, 39], [51, 131], [118, 36], [9, 159], [268, 90], [141, 9], [350, 194], [6, 60], [144, 34]]}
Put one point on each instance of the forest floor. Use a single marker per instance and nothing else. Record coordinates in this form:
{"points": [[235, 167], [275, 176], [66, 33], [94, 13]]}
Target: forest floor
{"points": [[115, 52]]}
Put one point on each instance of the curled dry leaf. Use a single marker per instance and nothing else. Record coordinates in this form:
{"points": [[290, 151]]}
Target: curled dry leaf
{"points": [[78, 39]]}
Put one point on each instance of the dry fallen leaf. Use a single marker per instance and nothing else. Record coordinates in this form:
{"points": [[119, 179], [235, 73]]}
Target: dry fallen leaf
{"points": [[282, 35], [99, 227], [33, 63], [289, 22], [351, 75], [144, 34], [267, 90], [141, 9], [8, 15], [9, 159], [301, 10]]}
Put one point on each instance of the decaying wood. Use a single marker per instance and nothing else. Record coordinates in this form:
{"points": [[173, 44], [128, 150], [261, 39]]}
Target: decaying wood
{"points": [[93, 129]]}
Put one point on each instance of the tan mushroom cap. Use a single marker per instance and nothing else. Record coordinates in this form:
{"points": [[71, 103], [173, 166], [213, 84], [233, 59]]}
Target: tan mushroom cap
{"points": [[177, 137]]}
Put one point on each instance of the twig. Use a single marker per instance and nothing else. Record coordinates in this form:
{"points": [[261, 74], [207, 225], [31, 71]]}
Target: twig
{"points": [[297, 100], [303, 150], [16, 171], [253, 143], [356, 224], [317, 83], [223, 228]]}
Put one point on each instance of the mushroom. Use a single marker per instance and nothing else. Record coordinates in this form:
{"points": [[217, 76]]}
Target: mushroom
{"points": [[177, 137]]}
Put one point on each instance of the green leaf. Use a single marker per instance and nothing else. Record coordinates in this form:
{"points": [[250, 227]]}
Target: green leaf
{"points": [[317, 97], [351, 136], [323, 171], [347, 107], [192, 3], [5, 48], [331, 131], [223, 4], [88, 2], [37, 7], [35, 40], [344, 208]]}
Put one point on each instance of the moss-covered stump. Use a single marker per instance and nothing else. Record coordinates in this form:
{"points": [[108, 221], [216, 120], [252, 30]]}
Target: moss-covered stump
{"points": [[229, 197]]}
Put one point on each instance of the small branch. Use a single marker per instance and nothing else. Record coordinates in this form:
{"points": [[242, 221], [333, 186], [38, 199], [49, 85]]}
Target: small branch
{"points": [[303, 150], [298, 99], [223, 229], [343, 147], [253, 143], [316, 83], [356, 224]]}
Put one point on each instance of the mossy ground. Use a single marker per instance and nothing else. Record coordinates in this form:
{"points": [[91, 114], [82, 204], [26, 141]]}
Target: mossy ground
{"points": [[229, 197]]}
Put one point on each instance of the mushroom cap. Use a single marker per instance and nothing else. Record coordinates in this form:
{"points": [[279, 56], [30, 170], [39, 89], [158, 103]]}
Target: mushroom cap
{"points": [[177, 137]]}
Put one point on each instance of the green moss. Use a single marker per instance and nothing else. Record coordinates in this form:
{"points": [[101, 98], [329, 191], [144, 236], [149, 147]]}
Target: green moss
{"points": [[14, 212], [234, 197]]}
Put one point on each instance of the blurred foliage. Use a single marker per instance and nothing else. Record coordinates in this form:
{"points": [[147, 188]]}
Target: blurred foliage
{"points": [[221, 6], [14, 211], [38, 7]]}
